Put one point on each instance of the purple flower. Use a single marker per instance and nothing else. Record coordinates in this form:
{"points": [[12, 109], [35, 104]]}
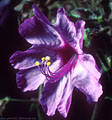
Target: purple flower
{"points": [[57, 61]]}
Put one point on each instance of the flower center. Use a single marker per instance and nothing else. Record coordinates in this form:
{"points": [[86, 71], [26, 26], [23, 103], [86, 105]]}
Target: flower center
{"points": [[43, 66], [66, 53]]}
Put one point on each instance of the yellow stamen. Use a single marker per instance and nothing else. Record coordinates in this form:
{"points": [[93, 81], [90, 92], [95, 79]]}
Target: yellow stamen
{"points": [[47, 58], [37, 63], [48, 63], [43, 59]]}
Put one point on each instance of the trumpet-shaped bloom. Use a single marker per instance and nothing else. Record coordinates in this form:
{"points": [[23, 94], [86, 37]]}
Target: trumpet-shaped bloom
{"points": [[56, 60]]}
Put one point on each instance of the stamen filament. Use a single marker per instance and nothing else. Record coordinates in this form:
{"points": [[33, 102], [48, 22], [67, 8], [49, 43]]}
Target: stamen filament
{"points": [[44, 67]]}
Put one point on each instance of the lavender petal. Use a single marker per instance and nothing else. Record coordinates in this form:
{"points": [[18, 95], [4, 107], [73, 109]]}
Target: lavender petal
{"points": [[30, 79], [26, 59], [70, 32], [86, 77], [40, 15], [40, 33], [51, 95]]}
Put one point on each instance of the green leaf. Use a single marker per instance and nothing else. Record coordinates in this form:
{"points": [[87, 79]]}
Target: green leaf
{"points": [[109, 61], [108, 98], [75, 3], [3, 103], [110, 5], [87, 41], [72, 12], [104, 67]]}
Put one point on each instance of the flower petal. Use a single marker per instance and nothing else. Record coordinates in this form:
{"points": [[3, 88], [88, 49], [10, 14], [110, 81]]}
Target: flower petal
{"points": [[51, 95], [30, 79], [40, 33], [40, 15], [70, 32], [86, 77], [26, 59], [65, 102], [79, 25], [64, 107]]}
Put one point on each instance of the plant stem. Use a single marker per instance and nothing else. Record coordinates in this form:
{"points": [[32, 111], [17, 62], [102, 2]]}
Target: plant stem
{"points": [[39, 92], [39, 113], [93, 117], [38, 110]]}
